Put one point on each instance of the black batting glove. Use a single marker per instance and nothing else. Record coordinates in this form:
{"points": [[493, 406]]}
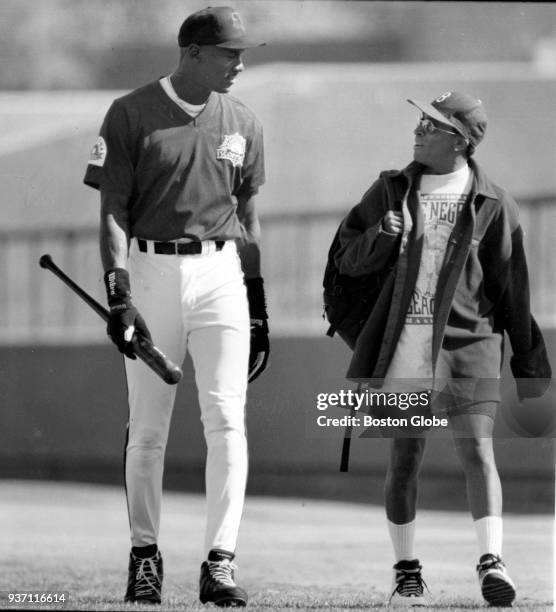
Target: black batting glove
{"points": [[260, 345], [125, 319]]}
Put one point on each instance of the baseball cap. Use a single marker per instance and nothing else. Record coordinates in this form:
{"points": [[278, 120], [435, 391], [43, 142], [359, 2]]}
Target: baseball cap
{"points": [[462, 111], [218, 25]]}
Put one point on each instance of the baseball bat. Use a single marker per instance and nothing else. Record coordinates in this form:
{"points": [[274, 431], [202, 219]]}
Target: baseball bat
{"points": [[142, 347]]}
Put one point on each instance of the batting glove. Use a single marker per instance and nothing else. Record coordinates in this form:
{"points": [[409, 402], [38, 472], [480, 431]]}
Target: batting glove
{"points": [[125, 319], [260, 345]]}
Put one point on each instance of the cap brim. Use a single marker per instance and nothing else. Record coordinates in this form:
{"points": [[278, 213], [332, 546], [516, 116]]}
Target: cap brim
{"points": [[244, 43], [429, 110]]}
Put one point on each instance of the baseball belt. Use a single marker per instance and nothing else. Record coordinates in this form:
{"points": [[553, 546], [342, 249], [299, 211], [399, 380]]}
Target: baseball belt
{"points": [[178, 248]]}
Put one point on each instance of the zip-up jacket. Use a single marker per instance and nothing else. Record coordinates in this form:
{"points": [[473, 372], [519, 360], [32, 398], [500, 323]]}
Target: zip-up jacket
{"points": [[482, 290]]}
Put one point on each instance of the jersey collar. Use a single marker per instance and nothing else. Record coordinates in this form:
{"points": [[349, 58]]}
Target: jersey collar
{"points": [[167, 87]]}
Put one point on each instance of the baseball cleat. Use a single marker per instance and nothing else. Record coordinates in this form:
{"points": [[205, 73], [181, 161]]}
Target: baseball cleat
{"points": [[497, 587], [408, 587], [216, 583], [144, 583]]}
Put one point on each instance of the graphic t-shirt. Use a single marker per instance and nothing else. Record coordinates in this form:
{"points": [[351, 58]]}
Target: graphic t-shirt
{"points": [[441, 198]]}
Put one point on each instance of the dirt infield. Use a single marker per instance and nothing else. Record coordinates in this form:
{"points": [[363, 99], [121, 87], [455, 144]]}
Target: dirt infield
{"points": [[303, 554]]}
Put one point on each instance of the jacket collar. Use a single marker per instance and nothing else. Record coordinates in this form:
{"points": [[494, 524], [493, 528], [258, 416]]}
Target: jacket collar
{"points": [[482, 185]]}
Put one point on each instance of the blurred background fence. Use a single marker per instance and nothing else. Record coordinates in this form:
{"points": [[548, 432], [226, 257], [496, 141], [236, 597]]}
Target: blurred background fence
{"points": [[39, 309]]}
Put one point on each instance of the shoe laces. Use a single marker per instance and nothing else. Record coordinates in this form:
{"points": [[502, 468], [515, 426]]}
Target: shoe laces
{"points": [[409, 583], [146, 575], [222, 572], [493, 562]]}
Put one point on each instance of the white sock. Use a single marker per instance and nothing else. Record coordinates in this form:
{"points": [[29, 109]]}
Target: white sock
{"points": [[489, 535], [403, 538]]}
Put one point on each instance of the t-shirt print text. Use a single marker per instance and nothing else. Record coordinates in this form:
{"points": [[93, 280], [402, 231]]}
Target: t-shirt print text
{"points": [[440, 212]]}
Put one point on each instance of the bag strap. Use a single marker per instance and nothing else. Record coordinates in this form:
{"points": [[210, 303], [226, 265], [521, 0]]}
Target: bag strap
{"points": [[393, 195], [344, 461], [392, 203]]}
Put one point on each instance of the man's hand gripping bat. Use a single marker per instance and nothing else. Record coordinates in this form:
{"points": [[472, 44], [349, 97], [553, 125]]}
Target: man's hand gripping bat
{"points": [[142, 347]]}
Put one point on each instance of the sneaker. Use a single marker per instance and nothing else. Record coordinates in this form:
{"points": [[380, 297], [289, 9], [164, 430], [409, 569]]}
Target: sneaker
{"points": [[408, 588], [216, 584], [144, 583], [497, 587]]}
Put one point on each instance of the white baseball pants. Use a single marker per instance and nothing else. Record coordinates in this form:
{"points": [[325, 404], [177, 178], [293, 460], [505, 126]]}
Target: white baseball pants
{"points": [[196, 303]]}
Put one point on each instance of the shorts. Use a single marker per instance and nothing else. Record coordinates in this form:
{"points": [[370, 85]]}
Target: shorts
{"points": [[454, 406]]}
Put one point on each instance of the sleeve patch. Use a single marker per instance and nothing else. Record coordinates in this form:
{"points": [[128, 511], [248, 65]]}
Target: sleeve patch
{"points": [[98, 153]]}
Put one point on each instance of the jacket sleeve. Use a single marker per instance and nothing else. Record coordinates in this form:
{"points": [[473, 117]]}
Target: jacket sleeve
{"points": [[365, 247], [529, 363]]}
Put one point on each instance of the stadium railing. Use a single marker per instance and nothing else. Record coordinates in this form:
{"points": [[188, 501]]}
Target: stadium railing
{"points": [[38, 309]]}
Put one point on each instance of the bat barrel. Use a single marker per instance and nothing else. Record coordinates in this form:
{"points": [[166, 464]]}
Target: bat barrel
{"points": [[173, 376], [143, 348], [156, 360]]}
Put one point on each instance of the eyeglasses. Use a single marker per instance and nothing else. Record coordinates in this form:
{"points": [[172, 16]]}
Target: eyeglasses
{"points": [[428, 127]]}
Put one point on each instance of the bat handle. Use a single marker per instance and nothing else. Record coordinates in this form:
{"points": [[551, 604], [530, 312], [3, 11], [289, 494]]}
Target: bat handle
{"points": [[143, 348], [46, 261]]}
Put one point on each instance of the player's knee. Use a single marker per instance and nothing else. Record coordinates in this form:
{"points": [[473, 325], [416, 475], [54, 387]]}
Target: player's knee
{"points": [[404, 472], [405, 459], [218, 418], [147, 439], [225, 435], [475, 452]]}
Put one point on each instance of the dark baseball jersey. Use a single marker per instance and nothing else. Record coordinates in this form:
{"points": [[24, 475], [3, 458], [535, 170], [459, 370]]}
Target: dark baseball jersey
{"points": [[181, 176]]}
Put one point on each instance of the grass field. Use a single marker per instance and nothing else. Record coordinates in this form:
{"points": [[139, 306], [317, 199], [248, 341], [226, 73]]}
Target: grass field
{"points": [[293, 554]]}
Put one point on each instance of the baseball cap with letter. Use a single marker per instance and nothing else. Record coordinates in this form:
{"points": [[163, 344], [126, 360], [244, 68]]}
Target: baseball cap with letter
{"points": [[462, 111], [220, 26]]}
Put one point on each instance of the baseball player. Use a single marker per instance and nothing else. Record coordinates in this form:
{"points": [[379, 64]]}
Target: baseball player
{"points": [[178, 164], [460, 282]]}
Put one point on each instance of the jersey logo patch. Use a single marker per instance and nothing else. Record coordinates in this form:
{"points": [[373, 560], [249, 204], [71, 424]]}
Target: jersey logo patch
{"points": [[98, 153], [232, 149]]}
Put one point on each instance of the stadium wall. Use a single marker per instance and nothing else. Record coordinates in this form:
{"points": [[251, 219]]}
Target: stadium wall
{"points": [[65, 412]]}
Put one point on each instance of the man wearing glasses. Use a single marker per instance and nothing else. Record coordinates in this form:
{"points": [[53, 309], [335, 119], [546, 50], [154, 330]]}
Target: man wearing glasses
{"points": [[460, 281]]}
